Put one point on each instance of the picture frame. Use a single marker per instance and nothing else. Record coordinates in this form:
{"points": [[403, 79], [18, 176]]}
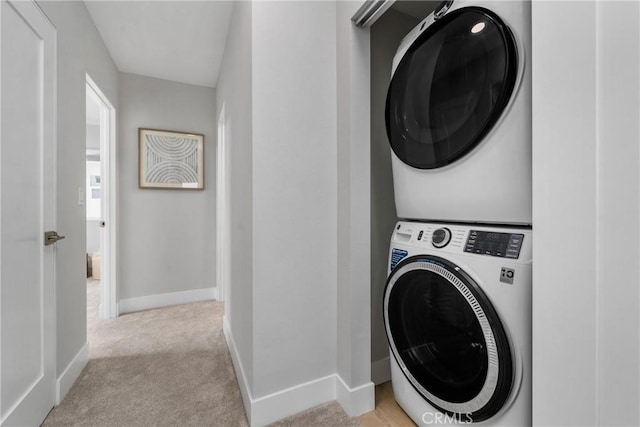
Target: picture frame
{"points": [[170, 159]]}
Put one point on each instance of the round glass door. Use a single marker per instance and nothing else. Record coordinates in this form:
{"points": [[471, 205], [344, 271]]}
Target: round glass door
{"points": [[450, 88], [447, 338]]}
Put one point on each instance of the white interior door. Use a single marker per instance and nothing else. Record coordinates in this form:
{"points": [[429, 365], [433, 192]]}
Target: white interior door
{"points": [[27, 202]]}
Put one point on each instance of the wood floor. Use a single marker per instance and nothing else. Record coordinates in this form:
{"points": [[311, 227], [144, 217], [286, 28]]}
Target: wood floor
{"points": [[387, 412]]}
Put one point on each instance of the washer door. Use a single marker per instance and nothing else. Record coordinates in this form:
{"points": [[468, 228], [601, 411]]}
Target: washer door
{"points": [[450, 88], [447, 338]]}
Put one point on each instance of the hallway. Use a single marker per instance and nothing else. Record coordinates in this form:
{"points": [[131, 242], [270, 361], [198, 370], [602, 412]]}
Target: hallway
{"points": [[164, 367], [168, 366]]}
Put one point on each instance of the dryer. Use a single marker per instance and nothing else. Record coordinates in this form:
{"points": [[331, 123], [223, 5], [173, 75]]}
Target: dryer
{"points": [[458, 115], [457, 313]]}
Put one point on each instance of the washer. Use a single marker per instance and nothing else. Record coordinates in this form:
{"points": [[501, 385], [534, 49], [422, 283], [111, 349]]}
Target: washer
{"points": [[458, 115], [457, 313]]}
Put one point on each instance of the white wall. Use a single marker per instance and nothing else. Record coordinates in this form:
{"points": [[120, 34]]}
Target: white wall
{"points": [[93, 205], [298, 319], [80, 51], [586, 216], [167, 237], [93, 236], [294, 193], [93, 135], [354, 206], [93, 209], [618, 212], [234, 92], [386, 34]]}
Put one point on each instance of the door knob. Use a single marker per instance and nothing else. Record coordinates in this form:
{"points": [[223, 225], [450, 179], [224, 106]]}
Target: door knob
{"points": [[50, 237]]}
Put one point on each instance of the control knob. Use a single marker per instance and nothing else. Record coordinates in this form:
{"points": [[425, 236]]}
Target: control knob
{"points": [[441, 237]]}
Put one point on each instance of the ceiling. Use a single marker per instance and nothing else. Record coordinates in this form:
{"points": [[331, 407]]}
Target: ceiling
{"points": [[182, 41]]}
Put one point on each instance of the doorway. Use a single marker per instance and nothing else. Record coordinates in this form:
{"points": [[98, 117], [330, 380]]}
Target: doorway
{"points": [[222, 214], [100, 202]]}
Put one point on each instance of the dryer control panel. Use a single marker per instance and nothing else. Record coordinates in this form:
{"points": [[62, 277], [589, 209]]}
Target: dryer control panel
{"points": [[505, 245]]}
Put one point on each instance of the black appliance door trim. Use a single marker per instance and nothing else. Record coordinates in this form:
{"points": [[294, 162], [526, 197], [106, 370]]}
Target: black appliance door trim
{"points": [[499, 377], [448, 141]]}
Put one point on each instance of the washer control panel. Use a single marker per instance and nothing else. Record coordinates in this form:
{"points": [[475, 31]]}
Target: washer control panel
{"points": [[505, 245]]}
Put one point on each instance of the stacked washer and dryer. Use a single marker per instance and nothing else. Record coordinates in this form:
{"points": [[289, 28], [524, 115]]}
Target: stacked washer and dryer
{"points": [[457, 303]]}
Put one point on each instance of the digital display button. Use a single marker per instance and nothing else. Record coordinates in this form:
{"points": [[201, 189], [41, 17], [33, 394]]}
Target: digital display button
{"points": [[515, 243], [504, 245]]}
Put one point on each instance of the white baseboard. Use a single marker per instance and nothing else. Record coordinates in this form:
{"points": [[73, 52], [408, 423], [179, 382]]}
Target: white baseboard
{"points": [[71, 373], [381, 371], [237, 366], [355, 401], [284, 403], [163, 300]]}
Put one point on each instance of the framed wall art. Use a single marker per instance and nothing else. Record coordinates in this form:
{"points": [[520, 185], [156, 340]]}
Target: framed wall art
{"points": [[171, 160]]}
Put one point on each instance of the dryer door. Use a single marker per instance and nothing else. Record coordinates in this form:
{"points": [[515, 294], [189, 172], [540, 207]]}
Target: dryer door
{"points": [[450, 88], [447, 338]]}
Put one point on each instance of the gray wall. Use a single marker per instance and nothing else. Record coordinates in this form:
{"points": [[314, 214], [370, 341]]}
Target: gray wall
{"points": [[294, 193], [234, 93], [80, 51], [166, 237], [386, 35]]}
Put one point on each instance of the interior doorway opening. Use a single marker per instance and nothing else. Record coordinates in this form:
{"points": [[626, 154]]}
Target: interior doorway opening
{"points": [[222, 214], [100, 202]]}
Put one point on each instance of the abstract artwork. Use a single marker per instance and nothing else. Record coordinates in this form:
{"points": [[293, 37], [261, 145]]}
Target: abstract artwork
{"points": [[171, 160]]}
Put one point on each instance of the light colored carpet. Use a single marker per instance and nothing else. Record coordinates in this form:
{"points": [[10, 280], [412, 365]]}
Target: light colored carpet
{"points": [[164, 367]]}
